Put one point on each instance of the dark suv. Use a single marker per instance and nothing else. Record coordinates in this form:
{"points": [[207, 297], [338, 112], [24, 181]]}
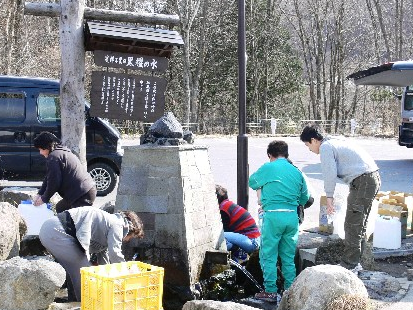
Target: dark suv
{"points": [[29, 106]]}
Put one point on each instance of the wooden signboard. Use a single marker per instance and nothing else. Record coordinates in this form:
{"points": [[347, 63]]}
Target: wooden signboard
{"points": [[130, 61], [128, 97]]}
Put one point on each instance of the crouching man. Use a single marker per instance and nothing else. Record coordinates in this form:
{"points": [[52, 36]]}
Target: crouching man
{"points": [[76, 233]]}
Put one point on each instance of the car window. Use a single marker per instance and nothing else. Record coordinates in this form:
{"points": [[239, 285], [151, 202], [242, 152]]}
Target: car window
{"points": [[12, 107], [48, 108], [408, 101]]}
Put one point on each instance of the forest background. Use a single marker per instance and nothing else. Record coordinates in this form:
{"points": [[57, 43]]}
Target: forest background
{"points": [[299, 53]]}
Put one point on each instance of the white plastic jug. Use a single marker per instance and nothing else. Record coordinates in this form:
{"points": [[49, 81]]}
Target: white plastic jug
{"points": [[34, 216], [387, 233]]}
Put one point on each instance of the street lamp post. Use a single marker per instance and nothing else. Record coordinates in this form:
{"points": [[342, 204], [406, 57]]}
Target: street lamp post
{"points": [[242, 139]]}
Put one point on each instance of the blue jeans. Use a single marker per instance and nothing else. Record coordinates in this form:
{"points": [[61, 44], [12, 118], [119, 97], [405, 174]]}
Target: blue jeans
{"points": [[245, 243]]}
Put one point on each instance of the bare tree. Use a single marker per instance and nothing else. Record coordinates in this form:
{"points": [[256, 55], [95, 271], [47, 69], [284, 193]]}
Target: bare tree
{"points": [[11, 49]]}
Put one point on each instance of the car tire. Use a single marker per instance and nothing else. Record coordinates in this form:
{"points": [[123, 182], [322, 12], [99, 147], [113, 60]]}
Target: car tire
{"points": [[104, 176]]}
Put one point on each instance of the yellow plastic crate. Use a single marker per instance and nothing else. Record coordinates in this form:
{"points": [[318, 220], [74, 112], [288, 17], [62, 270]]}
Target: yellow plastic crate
{"points": [[122, 286]]}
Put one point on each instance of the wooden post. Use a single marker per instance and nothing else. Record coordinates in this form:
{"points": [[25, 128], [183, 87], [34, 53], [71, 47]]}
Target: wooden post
{"points": [[72, 90]]}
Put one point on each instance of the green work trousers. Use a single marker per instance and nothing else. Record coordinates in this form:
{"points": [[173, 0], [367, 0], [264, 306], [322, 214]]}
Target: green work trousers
{"points": [[279, 236], [363, 189]]}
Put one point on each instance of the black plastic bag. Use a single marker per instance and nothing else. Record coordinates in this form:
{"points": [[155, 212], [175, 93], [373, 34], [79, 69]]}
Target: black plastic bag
{"points": [[300, 209]]}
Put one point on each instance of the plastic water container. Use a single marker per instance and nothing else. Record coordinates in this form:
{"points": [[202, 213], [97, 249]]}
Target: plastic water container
{"points": [[338, 223], [34, 216], [340, 216], [387, 233]]}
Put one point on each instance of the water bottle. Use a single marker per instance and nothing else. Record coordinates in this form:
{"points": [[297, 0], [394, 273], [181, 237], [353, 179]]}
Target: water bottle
{"points": [[260, 216]]}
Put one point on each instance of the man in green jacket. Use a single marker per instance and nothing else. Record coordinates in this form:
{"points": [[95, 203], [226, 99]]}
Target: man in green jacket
{"points": [[283, 188]]}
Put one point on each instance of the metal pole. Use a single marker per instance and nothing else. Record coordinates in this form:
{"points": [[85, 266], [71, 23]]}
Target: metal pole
{"points": [[242, 140]]}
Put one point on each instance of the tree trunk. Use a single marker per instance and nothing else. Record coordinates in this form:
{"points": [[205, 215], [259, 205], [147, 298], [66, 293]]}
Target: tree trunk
{"points": [[375, 30], [72, 92], [383, 29], [11, 21], [187, 13]]}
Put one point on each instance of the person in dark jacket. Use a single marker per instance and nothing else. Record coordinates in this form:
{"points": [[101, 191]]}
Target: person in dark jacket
{"points": [[65, 175]]}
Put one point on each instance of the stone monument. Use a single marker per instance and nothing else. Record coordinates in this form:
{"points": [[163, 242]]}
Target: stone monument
{"points": [[171, 187]]}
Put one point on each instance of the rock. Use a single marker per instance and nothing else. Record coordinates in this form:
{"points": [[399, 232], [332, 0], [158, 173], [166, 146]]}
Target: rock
{"points": [[166, 127], [65, 306], [29, 284], [189, 137], [12, 229], [214, 305], [166, 131], [14, 195], [381, 286], [31, 245], [309, 240], [318, 286], [331, 251], [410, 274], [349, 302], [109, 207], [222, 287]]}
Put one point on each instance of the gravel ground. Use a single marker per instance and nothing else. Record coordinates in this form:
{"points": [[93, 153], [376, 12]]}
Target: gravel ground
{"points": [[395, 266]]}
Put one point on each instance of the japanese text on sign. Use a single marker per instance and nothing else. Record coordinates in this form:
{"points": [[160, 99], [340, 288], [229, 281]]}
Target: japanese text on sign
{"points": [[123, 96], [130, 61]]}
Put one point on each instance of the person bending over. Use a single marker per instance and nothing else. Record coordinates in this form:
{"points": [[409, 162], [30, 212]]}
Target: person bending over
{"points": [[65, 175], [342, 159], [240, 229], [74, 234]]}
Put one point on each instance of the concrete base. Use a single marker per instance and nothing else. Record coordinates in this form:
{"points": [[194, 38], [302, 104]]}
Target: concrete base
{"points": [[173, 191]]}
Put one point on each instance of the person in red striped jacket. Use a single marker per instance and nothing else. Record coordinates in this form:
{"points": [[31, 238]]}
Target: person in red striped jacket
{"points": [[240, 229]]}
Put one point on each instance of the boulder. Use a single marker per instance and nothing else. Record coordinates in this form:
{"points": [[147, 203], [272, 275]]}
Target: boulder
{"points": [[108, 207], [167, 131], [65, 306], [29, 284], [12, 230], [214, 305], [166, 127], [14, 195], [350, 302], [381, 285], [318, 286], [31, 246], [332, 249]]}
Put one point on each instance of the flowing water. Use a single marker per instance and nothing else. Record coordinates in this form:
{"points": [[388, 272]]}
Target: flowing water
{"points": [[247, 274]]}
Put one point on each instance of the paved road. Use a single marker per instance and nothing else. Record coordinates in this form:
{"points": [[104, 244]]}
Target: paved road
{"points": [[395, 163]]}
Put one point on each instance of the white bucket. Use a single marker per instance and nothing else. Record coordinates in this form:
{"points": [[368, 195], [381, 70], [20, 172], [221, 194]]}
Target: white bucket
{"points": [[34, 216], [387, 233]]}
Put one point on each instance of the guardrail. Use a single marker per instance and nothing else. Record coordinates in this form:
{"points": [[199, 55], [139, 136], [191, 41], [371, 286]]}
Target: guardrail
{"points": [[271, 126]]}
